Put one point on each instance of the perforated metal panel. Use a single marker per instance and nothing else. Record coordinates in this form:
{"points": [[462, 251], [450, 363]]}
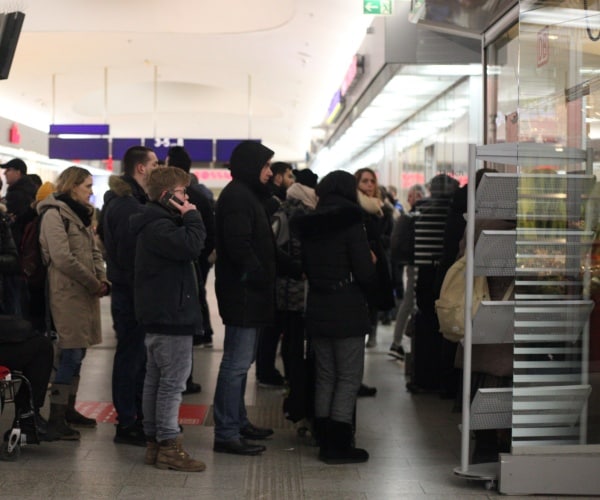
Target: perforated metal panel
{"points": [[550, 197], [491, 409]]}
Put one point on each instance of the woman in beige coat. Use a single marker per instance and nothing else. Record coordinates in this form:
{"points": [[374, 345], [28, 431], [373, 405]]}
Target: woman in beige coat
{"points": [[77, 280]]}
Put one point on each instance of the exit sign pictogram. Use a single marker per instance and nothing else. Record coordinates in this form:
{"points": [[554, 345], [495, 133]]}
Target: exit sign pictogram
{"points": [[377, 7]]}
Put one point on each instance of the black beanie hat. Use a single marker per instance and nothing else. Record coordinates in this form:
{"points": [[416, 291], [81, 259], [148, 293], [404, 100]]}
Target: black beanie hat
{"points": [[306, 177], [248, 158], [179, 157]]}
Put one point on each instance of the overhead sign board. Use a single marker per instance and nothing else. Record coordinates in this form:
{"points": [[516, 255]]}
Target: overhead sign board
{"points": [[379, 7]]}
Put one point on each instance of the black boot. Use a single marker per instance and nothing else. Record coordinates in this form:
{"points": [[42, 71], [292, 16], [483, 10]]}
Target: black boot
{"points": [[320, 434], [57, 426], [339, 447], [72, 416]]}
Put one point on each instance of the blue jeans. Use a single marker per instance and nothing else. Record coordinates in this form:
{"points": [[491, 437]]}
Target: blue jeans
{"points": [[129, 365], [69, 365], [168, 365], [239, 351]]}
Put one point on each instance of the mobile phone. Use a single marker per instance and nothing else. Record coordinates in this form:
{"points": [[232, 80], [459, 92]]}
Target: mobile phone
{"points": [[167, 197]]}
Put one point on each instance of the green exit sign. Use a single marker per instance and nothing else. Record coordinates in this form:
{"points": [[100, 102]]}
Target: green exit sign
{"points": [[377, 7]]}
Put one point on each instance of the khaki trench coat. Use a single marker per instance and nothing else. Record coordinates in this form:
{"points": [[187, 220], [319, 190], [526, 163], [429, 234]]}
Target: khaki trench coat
{"points": [[75, 275]]}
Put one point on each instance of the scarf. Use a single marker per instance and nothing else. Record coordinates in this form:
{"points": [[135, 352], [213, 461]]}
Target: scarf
{"points": [[82, 211]]}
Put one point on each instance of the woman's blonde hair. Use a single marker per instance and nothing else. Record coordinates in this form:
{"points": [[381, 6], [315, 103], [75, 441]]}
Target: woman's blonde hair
{"points": [[70, 178], [165, 179], [366, 170]]}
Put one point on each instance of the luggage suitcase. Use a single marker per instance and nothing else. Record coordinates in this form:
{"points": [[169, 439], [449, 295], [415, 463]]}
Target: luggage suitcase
{"points": [[425, 356]]}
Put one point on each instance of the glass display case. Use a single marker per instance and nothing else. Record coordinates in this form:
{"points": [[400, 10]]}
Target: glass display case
{"points": [[542, 121]]}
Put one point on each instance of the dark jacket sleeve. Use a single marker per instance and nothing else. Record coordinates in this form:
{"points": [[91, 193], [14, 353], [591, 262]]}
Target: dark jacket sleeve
{"points": [[121, 241], [9, 259], [205, 207], [179, 243], [17, 202], [237, 241], [361, 263]]}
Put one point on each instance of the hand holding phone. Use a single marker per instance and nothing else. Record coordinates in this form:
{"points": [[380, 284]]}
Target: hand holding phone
{"points": [[175, 204], [169, 197]]}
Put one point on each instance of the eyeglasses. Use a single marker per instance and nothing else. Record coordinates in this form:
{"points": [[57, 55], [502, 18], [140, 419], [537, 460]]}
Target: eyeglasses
{"points": [[180, 190]]}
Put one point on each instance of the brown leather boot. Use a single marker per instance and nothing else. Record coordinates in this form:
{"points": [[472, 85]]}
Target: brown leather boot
{"points": [[151, 452], [171, 455]]}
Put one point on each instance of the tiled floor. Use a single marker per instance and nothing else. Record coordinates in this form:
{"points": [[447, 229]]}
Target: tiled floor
{"points": [[413, 441]]}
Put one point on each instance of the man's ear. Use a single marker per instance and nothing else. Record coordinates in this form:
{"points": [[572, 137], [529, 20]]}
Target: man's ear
{"points": [[139, 168]]}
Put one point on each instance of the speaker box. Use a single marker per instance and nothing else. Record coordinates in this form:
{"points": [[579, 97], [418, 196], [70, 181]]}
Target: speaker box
{"points": [[10, 29]]}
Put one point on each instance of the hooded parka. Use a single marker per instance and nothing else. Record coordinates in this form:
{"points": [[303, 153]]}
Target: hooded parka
{"points": [[337, 261], [246, 252]]}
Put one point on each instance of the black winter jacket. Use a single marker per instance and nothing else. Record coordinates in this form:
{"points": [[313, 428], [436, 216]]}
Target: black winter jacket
{"points": [[246, 256], [125, 198], [337, 262], [165, 286], [19, 198]]}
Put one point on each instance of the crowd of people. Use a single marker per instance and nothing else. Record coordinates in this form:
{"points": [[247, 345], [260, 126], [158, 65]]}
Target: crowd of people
{"points": [[315, 265]]}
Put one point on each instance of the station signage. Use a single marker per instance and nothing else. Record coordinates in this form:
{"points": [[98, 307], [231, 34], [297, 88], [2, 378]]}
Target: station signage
{"points": [[379, 7], [92, 142]]}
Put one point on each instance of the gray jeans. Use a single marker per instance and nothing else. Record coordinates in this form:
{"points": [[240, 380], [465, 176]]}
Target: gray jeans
{"points": [[168, 365], [339, 366]]}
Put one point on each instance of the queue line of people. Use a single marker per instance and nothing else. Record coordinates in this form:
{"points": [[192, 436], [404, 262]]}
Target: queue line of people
{"points": [[148, 207]]}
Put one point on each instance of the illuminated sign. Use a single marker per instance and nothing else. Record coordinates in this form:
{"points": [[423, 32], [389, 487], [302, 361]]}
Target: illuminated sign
{"points": [[335, 108], [381, 7], [353, 74]]}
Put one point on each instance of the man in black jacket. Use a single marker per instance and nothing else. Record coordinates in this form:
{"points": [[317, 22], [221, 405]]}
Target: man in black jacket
{"points": [[125, 198], [19, 195], [179, 157], [267, 373], [245, 287]]}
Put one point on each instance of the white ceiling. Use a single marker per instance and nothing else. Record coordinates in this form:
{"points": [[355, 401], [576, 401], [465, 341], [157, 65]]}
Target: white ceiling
{"points": [[183, 68]]}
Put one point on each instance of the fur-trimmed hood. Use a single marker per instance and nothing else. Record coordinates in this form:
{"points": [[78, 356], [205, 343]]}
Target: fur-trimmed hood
{"points": [[328, 218], [124, 185], [369, 204], [119, 185]]}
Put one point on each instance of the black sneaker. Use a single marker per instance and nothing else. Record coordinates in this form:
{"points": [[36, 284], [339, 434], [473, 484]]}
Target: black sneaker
{"points": [[132, 434], [396, 351], [366, 391]]}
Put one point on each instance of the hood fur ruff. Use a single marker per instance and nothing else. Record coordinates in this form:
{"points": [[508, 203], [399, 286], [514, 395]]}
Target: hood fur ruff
{"points": [[119, 186]]}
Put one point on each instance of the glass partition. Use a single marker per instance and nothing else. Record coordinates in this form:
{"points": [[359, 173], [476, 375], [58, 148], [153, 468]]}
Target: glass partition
{"points": [[543, 110]]}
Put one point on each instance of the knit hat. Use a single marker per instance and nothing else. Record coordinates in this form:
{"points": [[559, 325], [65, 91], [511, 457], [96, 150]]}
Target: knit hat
{"points": [[306, 177], [16, 164], [46, 189], [179, 157]]}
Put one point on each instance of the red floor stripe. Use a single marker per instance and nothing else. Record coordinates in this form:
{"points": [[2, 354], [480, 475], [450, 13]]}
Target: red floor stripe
{"points": [[104, 412]]}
